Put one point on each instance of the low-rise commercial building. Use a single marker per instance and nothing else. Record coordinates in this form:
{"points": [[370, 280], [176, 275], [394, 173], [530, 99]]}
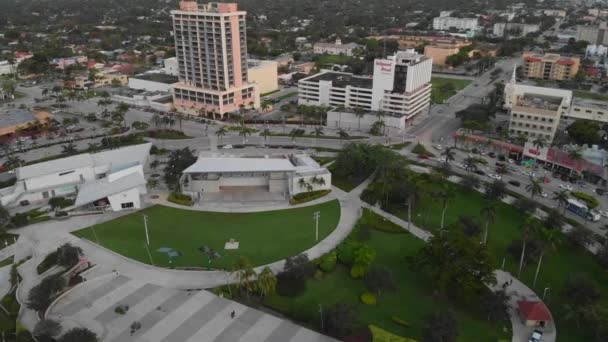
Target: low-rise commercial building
{"points": [[7, 68], [400, 87], [13, 119], [588, 109], [157, 100], [514, 29], [153, 82], [558, 13], [111, 179], [171, 66], [535, 111], [593, 34], [284, 175], [550, 66], [596, 51], [336, 48], [105, 77], [461, 24], [264, 73], [441, 51]]}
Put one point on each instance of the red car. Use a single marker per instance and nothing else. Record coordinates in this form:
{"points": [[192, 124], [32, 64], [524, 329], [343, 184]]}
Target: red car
{"points": [[422, 156]]}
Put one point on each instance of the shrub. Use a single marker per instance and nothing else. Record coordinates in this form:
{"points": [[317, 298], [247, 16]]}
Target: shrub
{"points": [[421, 150], [42, 295], [318, 275], [346, 251], [121, 309], [379, 223], [590, 200], [308, 196], [328, 262], [180, 199], [381, 335], [378, 280], [49, 261], [368, 298], [60, 202], [364, 257], [400, 321]]}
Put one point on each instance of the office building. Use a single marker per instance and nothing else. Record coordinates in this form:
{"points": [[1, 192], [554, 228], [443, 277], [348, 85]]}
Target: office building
{"points": [[263, 73], [211, 50], [153, 81], [588, 109], [514, 29], [400, 88], [460, 24], [550, 66], [108, 180], [270, 177], [336, 48], [593, 34], [535, 111]]}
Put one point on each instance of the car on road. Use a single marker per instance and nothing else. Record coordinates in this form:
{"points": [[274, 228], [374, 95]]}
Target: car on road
{"points": [[479, 172], [599, 191], [511, 161], [544, 194], [492, 155], [537, 336], [528, 173], [441, 159], [495, 176], [566, 187], [422, 156], [438, 147], [514, 183], [227, 147], [603, 213]]}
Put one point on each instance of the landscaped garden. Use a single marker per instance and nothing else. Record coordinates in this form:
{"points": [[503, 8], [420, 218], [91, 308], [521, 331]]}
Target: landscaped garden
{"points": [[402, 310], [444, 88], [197, 239]]}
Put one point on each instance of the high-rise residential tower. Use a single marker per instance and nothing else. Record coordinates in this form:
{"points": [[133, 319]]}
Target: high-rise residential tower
{"points": [[211, 50]]}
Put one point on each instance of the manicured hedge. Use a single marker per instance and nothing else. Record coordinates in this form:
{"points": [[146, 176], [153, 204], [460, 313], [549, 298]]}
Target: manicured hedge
{"points": [[328, 261], [180, 199], [591, 201], [368, 298], [308, 196], [421, 150]]}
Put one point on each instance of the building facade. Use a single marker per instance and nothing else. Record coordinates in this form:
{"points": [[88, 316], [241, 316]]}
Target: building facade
{"points": [[550, 66], [558, 13], [593, 34], [514, 29], [595, 51], [461, 24], [400, 87], [153, 82], [535, 111], [211, 50], [336, 48], [264, 73], [588, 109], [440, 52]]}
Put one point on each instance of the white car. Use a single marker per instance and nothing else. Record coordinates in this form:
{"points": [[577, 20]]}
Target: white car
{"points": [[441, 160], [537, 336], [438, 147], [528, 173], [565, 187], [227, 147], [511, 161], [495, 176], [544, 194], [604, 213]]}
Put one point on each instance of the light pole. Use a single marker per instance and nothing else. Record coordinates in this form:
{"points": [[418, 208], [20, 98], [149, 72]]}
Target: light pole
{"points": [[146, 229], [321, 314], [547, 289], [316, 215]]}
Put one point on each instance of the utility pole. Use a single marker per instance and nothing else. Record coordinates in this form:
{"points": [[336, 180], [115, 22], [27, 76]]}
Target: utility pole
{"points": [[146, 228], [321, 313], [316, 215]]}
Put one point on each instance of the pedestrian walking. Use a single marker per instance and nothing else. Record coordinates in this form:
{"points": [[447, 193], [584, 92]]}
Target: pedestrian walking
{"points": [[232, 314]]}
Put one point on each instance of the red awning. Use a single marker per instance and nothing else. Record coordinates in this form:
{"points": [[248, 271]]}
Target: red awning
{"points": [[534, 311]]}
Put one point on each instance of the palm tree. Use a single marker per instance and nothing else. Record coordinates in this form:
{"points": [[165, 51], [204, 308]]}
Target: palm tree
{"points": [[413, 186], [549, 240], [470, 164], [318, 132], [534, 187], [220, 133], [538, 143], [342, 133], [69, 149], [266, 133], [562, 199], [489, 211], [264, 106], [521, 139], [302, 183], [575, 156], [529, 227], [449, 155], [244, 132], [267, 282], [380, 114], [12, 161], [445, 195], [359, 113], [294, 134]]}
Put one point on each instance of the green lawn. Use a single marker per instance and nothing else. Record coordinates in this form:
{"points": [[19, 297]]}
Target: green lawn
{"points": [[264, 237], [412, 301], [334, 59], [444, 88], [568, 259], [591, 96]]}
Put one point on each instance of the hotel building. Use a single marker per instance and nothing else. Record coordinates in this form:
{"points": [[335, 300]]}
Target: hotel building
{"points": [[211, 50], [550, 66], [400, 88]]}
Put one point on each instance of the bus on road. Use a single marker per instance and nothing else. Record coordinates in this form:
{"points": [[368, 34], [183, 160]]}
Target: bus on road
{"points": [[581, 210]]}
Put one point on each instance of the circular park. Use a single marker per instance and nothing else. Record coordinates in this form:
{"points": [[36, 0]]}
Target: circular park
{"points": [[212, 240]]}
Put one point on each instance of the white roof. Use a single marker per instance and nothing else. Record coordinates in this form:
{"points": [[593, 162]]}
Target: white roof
{"points": [[233, 164], [92, 191], [116, 157]]}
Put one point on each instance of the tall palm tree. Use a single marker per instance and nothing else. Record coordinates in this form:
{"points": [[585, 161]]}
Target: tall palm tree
{"points": [[521, 139], [294, 134], [244, 131], [69, 149], [445, 194], [380, 115], [530, 226], [562, 199], [302, 183], [414, 184], [576, 156], [342, 134], [220, 133], [538, 143], [267, 282], [318, 132], [470, 164], [359, 113], [548, 239], [489, 211], [449, 155], [266, 133], [534, 187]]}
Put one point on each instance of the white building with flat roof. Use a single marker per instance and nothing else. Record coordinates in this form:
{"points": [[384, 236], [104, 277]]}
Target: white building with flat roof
{"points": [[112, 179], [588, 109], [286, 175], [400, 87], [514, 29], [336, 48], [461, 24]]}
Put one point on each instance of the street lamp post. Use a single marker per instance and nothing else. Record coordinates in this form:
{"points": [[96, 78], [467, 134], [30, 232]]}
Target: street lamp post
{"points": [[146, 228], [547, 289], [316, 215]]}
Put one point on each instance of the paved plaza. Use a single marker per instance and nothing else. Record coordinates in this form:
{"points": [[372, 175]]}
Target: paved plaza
{"points": [[170, 315]]}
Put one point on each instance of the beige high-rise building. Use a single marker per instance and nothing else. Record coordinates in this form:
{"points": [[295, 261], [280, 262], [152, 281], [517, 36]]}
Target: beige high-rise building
{"points": [[211, 51], [550, 66], [597, 35]]}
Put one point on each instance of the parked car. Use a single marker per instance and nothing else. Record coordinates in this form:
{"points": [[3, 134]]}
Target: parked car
{"points": [[438, 147], [479, 172], [227, 147], [492, 155], [495, 176], [537, 336], [544, 194], [441, 159], [422, 156], [501, 157], [604, 213], [514, 183], [566, 187], [528, 173], [600, 191]]}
